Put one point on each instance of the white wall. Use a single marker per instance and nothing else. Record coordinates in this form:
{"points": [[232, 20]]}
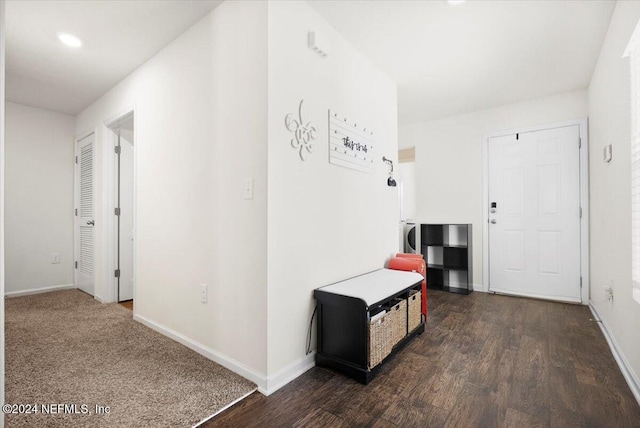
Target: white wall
{"points": [[326, 223], [449, 158], [39, 198], [2, 197], [200, 111], [610, 184]]}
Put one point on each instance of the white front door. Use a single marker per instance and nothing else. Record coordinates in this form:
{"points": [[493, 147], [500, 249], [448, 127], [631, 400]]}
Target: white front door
{"points": [[534, 219], [85, 215]]}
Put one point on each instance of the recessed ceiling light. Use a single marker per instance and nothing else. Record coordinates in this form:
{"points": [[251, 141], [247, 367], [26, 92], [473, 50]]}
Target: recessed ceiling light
{"points": [[70, 40], [455, 2]]}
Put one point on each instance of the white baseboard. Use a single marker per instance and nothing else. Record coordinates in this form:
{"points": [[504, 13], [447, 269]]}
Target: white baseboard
{"points": [[38, 290], [225, 361], [627, 371], [479, 287], [266, 385], [289, 373]]}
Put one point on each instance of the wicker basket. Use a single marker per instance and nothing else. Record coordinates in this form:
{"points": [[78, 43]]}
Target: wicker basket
{"points": [[415, 310], [399, 324], [380, 339]]}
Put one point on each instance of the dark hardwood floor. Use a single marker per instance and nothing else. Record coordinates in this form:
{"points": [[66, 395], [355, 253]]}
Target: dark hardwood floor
{"points": [[127, 304], [484, 361]]}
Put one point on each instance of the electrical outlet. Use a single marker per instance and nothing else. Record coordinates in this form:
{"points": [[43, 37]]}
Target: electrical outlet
{"points": [[203, 293], [55, 258], [608, 292]]}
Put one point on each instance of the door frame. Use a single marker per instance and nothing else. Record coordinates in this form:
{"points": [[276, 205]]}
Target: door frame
{"points": [[76, 205], [582, 123], [110, 180]]}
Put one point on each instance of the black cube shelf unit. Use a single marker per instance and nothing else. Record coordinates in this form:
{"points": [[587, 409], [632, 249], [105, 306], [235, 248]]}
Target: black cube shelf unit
{"points": [[447, 251]]}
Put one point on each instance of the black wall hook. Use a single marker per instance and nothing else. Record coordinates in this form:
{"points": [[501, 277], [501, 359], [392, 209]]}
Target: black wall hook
{"points": [[390, 181]]}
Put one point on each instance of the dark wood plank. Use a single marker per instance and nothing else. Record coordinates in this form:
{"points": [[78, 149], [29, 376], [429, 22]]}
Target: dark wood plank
{"points": [[514, 418], [473, 408], [484, 360], [408, 413], [530, 386], [320, 418], [564, 399]]}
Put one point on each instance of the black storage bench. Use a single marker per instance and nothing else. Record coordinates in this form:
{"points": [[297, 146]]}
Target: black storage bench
{"points": [[363, 321]]}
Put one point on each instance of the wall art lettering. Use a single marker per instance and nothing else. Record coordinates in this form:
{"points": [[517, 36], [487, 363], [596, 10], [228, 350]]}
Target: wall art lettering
{"points": [[350, 143]]}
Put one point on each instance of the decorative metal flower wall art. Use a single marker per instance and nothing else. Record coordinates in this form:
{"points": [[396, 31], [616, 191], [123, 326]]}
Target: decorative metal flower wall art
{"points": [[303, 133]]}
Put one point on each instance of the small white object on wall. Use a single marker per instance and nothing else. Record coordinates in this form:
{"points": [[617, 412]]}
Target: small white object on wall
{"points": [[350, 143], [247, 186], [318, 43], [303, 133], [607, 154]]}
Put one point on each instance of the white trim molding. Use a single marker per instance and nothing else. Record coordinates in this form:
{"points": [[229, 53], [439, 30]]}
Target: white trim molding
{"points": [[39, 290], [289, 373], [266, 385], [478, 287], [582, 123], [627, 371], [235, 366]]}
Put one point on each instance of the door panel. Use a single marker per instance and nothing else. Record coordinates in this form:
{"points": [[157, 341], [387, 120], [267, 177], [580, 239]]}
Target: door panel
{"points": [[534, 233], [125, 225], [513, 188], [85, 215], [514, 243]]}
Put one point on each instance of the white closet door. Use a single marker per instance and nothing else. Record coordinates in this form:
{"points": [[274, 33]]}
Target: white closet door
{"points": [[126, 232], [85, 215]]}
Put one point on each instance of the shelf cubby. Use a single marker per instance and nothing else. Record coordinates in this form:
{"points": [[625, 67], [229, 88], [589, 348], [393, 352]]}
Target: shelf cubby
{"points": [[447, 251]]}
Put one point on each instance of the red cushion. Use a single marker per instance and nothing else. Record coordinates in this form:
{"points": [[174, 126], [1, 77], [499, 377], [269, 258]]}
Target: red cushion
{"points": [[408, 264], [410, 256]]}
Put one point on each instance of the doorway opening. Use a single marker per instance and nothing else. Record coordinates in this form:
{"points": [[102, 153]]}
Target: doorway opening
{"points": [[407, 178], [406, 172], [122, 134]]}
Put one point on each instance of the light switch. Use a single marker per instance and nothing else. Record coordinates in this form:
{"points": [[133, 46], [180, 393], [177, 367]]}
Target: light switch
{"points": [[248, 188]]}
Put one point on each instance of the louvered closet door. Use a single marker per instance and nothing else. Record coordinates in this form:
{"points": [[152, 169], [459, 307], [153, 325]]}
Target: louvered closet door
{"points": [[85, 215]]}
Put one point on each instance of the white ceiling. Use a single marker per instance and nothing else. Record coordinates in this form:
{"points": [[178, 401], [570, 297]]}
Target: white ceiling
{"points": [[118, 37], [446, 59], [453, 59]]}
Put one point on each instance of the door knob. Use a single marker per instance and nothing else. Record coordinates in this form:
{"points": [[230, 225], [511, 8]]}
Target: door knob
{"points": [[91, 223], [493, 221]]}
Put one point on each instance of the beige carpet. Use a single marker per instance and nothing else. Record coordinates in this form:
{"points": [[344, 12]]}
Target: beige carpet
{"points": [[64, 347]]}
